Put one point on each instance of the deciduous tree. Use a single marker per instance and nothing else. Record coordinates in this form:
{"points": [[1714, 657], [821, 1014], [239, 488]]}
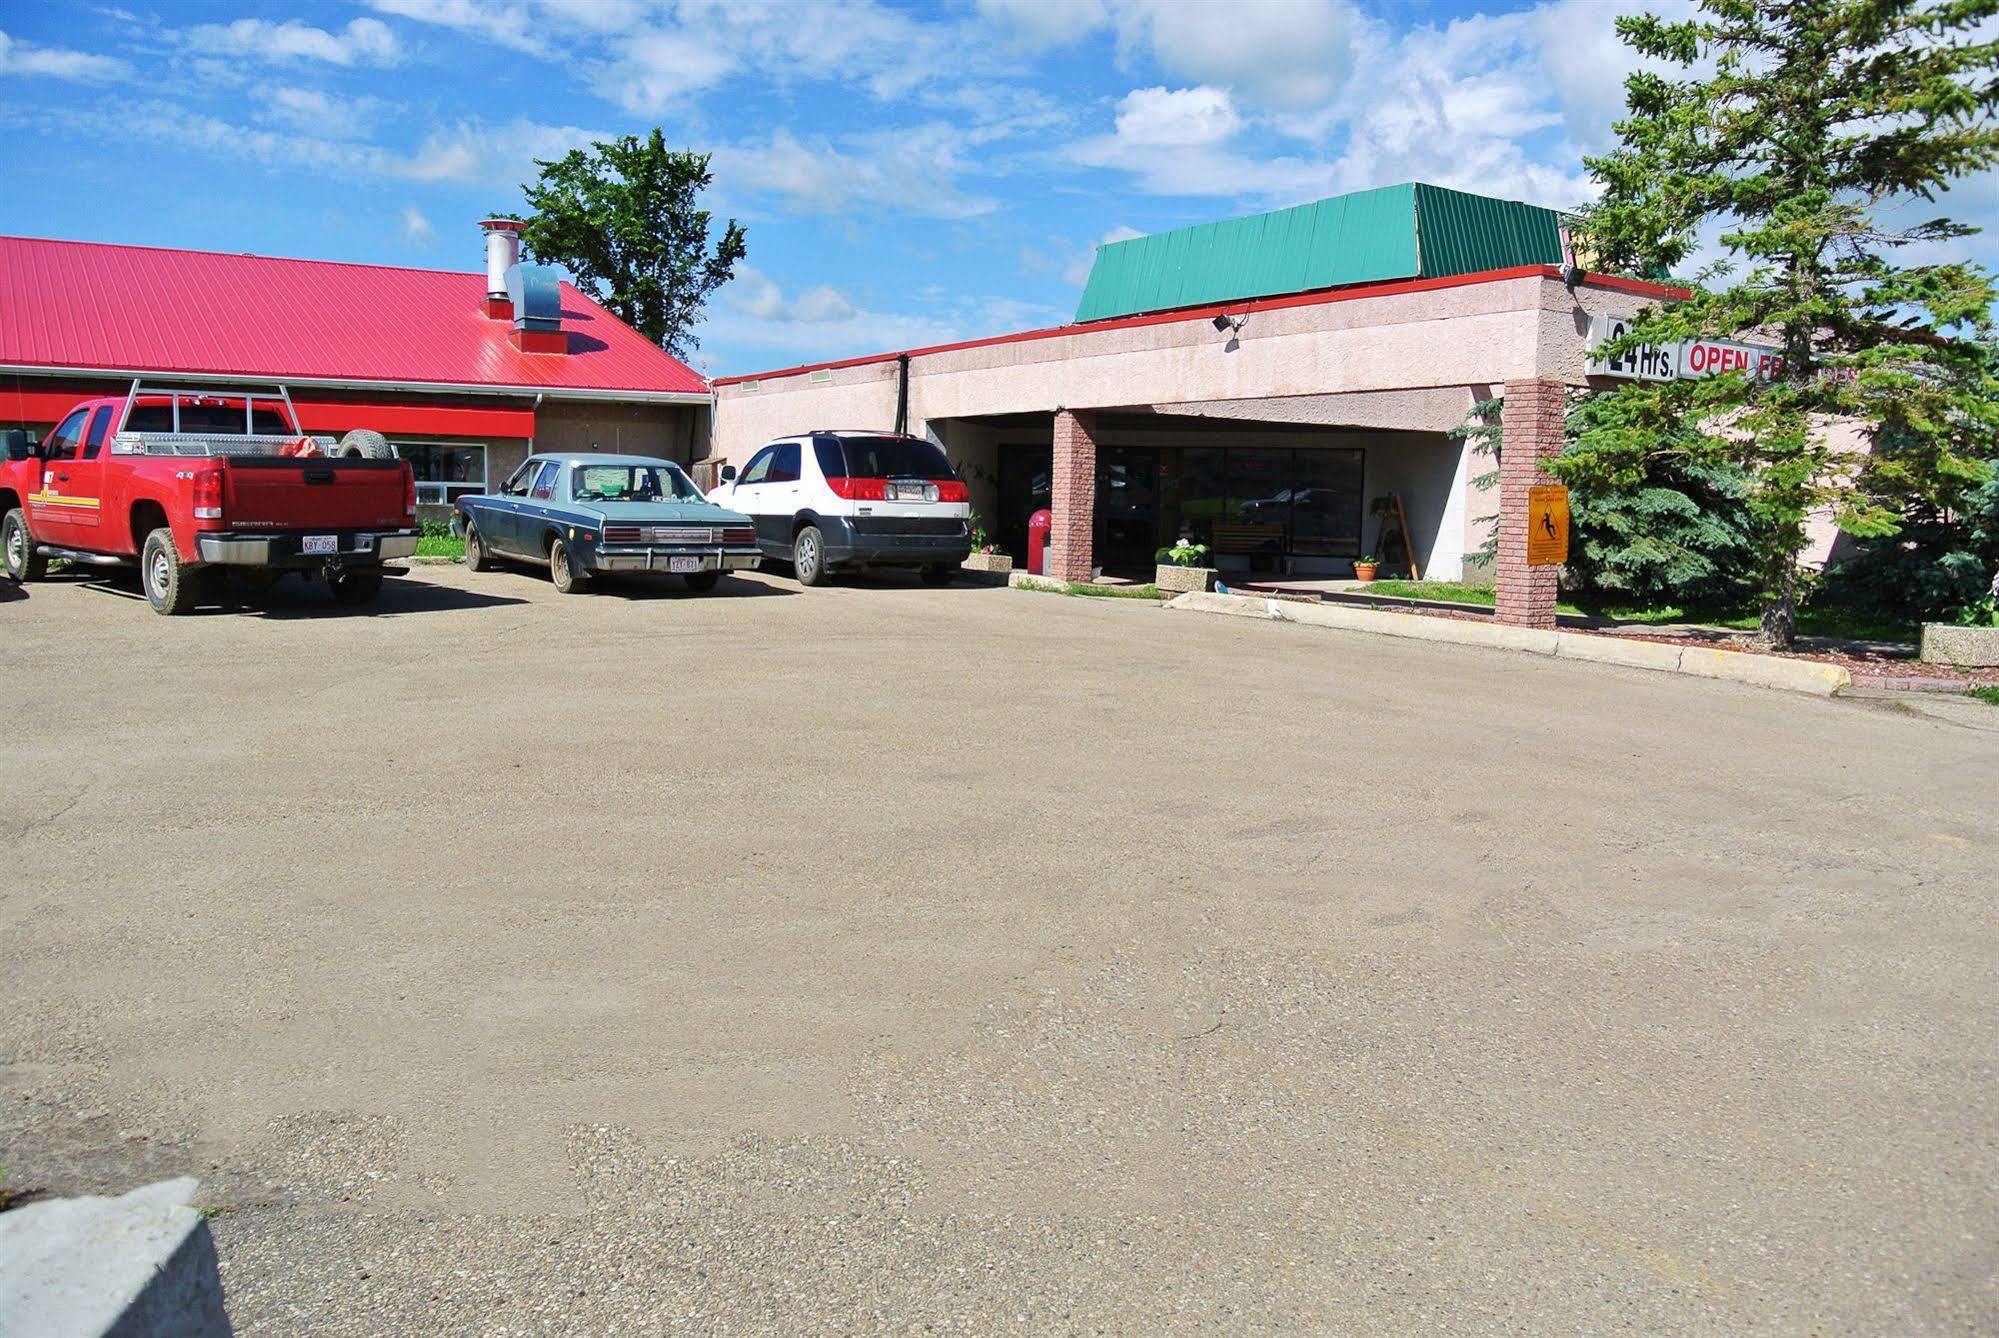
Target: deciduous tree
{"points": [[625, 220]]}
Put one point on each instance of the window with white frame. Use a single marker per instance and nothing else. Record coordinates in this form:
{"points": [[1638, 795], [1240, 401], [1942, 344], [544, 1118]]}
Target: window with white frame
{"points": [[443, 470]]}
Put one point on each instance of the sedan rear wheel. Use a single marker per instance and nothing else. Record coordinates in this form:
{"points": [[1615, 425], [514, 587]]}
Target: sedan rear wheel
{"points": [[476, 556], [808, 556], [562, 569]]}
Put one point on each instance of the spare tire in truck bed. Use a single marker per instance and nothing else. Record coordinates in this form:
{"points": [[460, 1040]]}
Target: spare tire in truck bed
{"points": [[365, 443]]}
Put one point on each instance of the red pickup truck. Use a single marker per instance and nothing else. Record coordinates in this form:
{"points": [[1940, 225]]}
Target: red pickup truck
{"points": [[187, 481]]}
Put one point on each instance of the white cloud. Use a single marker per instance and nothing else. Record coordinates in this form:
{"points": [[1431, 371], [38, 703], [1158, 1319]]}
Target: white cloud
{"points": [[1284, 53], [506, 24], [26, 59], [1176, 116], [1040, 24], [416, 229], [314, 112], [912, 170], [497, 156], [364, 41], [661, 67], [754, 293]]}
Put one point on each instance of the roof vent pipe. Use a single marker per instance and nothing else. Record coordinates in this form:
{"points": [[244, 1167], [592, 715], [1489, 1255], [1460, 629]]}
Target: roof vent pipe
{"points": [[503, 252]]}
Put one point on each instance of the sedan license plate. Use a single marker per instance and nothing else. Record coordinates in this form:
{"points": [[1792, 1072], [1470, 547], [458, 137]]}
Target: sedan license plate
{"points": [[683, 564], [909, 492], [322, 543]]}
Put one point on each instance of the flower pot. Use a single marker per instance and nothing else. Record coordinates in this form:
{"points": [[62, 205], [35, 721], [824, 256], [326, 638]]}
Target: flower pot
{"points": [[1948, 643], [1364, 571], [1181, 580]]}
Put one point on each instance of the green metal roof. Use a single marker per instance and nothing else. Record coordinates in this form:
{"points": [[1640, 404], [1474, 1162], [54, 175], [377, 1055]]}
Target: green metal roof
{"points": [[1393, 232]]}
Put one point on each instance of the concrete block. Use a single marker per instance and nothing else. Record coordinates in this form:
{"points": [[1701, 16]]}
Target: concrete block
{"points": [[138, 1266], [1616, 650], [1027, 580], [1765, 671], [1947, 643], [1170, 577]]}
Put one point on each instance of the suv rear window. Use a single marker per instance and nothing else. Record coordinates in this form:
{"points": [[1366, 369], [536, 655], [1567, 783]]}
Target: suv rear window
{"points": [[880, 458], [210, 420]]}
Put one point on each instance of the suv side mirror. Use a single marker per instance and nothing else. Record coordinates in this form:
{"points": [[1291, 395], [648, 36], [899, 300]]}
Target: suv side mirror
{"points": [[727, 474], [21, 444]]}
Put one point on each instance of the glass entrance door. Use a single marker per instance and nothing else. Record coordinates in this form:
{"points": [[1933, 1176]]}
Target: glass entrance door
{"points": [[1127, 530]]}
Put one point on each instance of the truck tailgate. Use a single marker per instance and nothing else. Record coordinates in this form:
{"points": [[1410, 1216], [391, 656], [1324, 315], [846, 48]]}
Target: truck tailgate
{"points": [[313, 493]]}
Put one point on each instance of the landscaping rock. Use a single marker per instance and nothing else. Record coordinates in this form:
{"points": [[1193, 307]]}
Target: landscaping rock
{"points": [[137, 1266], [1947, 643]]}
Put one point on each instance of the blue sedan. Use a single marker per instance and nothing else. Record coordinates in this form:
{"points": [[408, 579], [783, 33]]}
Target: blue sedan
{"points": [[587, 514]]}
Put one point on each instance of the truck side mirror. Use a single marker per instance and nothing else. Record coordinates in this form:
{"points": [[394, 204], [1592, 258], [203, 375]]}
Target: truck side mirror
{"points": [[728, 474], [21, 444]]}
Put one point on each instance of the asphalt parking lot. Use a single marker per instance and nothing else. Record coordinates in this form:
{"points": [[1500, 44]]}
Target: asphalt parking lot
{"points": [[880, 956]]}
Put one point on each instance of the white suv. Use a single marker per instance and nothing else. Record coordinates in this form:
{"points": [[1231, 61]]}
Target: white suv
{"points": [[826, 500]]}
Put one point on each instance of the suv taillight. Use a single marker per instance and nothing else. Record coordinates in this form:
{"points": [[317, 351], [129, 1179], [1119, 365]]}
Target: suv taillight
{"points": [[409, 493], [953, 491], [859, 490], [208, 495]]}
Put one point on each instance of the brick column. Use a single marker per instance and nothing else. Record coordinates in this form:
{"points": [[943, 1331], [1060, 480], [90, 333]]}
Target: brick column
{"points": [[1073, 496], [1530, 423]]}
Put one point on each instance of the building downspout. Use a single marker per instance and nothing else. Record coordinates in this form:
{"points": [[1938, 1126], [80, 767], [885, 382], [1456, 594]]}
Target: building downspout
{"points": [[902, 394]]}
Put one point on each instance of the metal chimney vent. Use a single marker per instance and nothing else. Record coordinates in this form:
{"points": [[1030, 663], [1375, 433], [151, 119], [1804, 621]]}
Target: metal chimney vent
{"points": [[537, 297]]}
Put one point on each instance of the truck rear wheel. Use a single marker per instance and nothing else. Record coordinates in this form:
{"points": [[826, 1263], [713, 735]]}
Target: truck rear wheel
{"points": [[365, 443], [356, 587], [171, 584], [476, 556], [562, 569], [23, 562]]}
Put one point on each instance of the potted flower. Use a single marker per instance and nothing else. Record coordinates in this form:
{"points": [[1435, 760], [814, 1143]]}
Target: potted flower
{"points": [[986, 556], [1184, 567], [1365, 566]]}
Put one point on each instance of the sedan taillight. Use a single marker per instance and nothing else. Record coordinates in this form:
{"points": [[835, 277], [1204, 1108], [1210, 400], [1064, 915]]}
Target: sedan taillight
{"points": [[739, 534], [621, 534]]}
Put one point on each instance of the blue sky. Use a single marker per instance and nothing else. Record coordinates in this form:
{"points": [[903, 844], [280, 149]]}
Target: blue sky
{"points": [[908, 174]]}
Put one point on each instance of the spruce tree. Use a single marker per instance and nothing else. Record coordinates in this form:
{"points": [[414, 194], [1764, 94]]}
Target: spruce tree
{"points": [[1803, 133]]}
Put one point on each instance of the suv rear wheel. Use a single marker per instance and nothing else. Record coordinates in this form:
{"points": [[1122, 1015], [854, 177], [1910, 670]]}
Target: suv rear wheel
{"points": [[808, 555], [23, 562]]}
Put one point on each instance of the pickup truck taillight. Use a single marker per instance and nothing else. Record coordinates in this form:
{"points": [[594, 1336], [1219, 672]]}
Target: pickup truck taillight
{"points": [[409, 494], [208, 495]]}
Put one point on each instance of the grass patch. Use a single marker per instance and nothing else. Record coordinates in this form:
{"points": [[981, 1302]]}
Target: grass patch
{"points": [[1813, 620], [1101, 591], [1988, 695], [440, 545]]}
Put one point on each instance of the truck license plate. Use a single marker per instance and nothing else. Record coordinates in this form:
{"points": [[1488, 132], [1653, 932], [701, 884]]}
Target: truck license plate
{"points": [[322, 543], [683, 564]]}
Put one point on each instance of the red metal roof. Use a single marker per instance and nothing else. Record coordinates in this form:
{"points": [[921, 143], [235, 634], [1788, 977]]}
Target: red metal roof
{"points": [[88, 305]]}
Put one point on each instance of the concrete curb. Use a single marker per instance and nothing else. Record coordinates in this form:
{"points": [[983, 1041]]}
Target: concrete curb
{"points": [[1766, 671], [139, 1266], [1027, 580]]}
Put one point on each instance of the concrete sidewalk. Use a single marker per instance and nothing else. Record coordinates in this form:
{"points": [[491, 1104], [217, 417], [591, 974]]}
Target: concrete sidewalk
{"points": [[1768, 671]]}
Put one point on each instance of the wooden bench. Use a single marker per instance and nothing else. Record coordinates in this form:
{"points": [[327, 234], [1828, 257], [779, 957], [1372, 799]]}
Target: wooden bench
{"points": [[1256, 541]]}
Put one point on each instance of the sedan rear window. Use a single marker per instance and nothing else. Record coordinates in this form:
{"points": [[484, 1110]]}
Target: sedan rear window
{"points": [[880, 458]]}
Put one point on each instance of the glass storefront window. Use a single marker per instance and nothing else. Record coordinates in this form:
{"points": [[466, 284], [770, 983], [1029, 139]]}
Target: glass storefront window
{"points": [[444, 472], [1313, 493], [1326, 504]]}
